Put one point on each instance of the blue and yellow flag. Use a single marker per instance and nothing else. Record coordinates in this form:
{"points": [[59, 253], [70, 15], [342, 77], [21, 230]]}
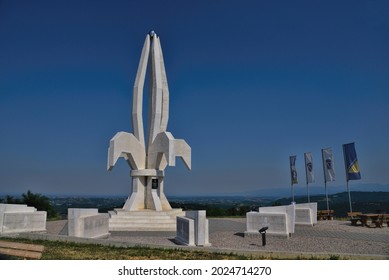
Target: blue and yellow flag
{"points": [[351, 162]]}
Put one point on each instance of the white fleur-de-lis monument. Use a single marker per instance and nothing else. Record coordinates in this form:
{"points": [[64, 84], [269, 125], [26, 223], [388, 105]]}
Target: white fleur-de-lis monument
{"points": [[149, 157]]}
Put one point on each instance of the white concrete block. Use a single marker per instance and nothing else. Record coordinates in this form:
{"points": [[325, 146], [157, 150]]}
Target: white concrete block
{"points": [[14, 222], [96, 226], [201, 226], [276, 223], [16, 208], [87, 223], [306, 213], [289, 210], [303, 216], [21, 218]]}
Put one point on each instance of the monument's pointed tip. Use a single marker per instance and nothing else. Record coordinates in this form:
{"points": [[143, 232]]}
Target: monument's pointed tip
{"points": [[152, 33]]}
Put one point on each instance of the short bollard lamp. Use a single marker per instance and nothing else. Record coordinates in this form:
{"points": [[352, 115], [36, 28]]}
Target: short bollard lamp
{"points": [[262, 231]]}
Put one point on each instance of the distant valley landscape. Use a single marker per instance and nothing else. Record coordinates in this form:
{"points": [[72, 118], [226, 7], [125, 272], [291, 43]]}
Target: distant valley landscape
{"points": [[216, 206]]}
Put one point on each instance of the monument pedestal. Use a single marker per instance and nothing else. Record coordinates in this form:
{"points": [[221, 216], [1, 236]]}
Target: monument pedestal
{"points": [[143, 220]]}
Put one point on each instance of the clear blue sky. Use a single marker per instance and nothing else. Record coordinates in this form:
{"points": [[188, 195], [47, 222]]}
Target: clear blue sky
{"points": [[251, 83]]}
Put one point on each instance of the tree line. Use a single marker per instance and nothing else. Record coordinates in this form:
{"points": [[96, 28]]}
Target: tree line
{"points": [[40, 202]]}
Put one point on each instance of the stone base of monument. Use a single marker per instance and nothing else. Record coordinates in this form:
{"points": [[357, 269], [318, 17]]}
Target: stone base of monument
{"points": [[15, 218], [143, 220]]}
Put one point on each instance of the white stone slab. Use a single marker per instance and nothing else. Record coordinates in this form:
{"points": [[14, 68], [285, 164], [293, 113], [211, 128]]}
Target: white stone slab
{"points": [[185, 232], [96, 226], [26, 218], [289, 210], [201, 226], [14, 222], [276, 223], [87, 223], [16, 208], [306, 214]]}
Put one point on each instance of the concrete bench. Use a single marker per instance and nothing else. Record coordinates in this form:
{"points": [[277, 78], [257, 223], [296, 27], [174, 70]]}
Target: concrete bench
{"points": [[26, 251]]}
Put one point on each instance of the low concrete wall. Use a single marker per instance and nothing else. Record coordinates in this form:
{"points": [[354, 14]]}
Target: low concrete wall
{"points": [[16, 218], [289, 210], [276, 223], [306, 213], [303, 216], [87, 223], [16, 208]]}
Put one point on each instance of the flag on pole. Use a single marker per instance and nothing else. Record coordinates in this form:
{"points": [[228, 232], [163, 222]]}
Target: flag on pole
{"points": [[293, 171], [309, 167], [351, 162], [328, 165]]}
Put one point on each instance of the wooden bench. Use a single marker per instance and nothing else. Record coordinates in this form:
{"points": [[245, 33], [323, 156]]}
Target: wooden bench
{"points": [[325, 214], [354, 218], [26, 251]]}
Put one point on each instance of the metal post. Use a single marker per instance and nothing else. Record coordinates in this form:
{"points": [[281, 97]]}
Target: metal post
{"points": [[309, 201], [349, 197], [325, 186], [262, 231], [263, 238]]}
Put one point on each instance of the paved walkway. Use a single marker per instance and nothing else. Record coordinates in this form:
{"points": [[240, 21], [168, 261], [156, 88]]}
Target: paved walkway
{"points": [[341, 229], [327, 238]]}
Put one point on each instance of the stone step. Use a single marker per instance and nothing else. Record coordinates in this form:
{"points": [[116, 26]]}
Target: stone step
{"points": [[172, 229], [141, 221], [143, 226], [154, 218], [121, 212]]}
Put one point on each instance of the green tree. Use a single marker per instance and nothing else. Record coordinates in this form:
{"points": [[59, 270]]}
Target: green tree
{"points": [[40, 202], [11, 200]]}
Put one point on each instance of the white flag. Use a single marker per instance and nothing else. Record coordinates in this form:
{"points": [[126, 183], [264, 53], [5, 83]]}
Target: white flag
{"points": [[293, 172], [328, 165], [309, 167]]}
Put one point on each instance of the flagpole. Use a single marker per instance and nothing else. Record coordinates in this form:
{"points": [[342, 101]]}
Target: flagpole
{"points": [[308, 193], [306, 174], [348, 188], [325, 181], [325, 186], [349, 197]]}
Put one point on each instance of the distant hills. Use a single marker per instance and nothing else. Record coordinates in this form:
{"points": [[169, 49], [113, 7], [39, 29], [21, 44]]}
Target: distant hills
{"points": [[301, 190], [365, 202], [239, 203]]}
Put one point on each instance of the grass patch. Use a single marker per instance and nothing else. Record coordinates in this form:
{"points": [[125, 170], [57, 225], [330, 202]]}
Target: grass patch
{"points": [[63, 250], [60, 250]]}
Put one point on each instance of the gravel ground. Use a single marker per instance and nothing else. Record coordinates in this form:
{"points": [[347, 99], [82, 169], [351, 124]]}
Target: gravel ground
{"points": [[327, 237]]}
